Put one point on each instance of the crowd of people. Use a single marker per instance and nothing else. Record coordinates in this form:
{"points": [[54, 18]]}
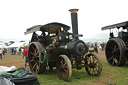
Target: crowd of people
{"points": [[95, 46], [14, 51], [2, 52], [23, 51]]}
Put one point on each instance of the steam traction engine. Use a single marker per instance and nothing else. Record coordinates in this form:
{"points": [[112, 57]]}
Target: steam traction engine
{"points": [[117, 47], [56, 47]]}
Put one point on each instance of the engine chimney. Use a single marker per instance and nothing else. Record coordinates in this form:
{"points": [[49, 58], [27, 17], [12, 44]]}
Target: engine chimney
{"points": [[74, 21]]}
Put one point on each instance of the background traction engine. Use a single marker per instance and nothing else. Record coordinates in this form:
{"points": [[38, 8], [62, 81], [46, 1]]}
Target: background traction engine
{"points": [[56, 47], [117, 47]]}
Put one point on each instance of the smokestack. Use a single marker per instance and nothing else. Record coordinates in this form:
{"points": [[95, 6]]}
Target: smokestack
{"points": [[74, 21]]}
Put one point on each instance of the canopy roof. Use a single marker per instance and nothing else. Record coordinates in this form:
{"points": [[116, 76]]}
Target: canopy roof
{"points": [[50, 27], [124, 25]]}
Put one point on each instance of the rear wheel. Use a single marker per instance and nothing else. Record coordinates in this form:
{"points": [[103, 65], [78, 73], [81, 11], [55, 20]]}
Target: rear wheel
{"points": [[36, 58], [64, 68], [115, 52]]}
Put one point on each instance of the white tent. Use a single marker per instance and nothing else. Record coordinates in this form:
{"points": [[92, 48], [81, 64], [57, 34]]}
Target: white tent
{"points": [[17, 45], [2, 45]]}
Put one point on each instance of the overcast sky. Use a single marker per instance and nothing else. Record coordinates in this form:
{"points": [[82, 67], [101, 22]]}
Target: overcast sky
{"points": [[18, 15]]}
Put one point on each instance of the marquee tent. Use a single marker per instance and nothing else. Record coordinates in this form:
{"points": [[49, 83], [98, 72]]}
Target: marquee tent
{"points": [[17, 45]]}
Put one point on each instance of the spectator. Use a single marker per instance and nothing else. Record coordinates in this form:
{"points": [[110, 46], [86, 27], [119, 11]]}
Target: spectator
{"points": [[22, 52], [12, 50], [17, 50], [1, 53], [5, 50], [95, 48], [92, 45], [25, 51], [102, 46]]}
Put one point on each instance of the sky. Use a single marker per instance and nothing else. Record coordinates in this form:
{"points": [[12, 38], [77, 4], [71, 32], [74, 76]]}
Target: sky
{"points": [[18, 15]]}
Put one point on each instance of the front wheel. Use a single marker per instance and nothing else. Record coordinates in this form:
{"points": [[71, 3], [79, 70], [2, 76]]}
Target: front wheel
{"points": [[64, 68], [93, 64]]}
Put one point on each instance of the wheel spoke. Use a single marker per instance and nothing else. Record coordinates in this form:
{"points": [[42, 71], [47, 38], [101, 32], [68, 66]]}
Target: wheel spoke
{"points": [[93, 71], [114, 47], [90, 59], [64, 64], [37, 68], [96, 62], [66, 71], [32, 53], [37, 57], [37, 52], [93, 59], [61, 62], [37, 60], [110, 58], [33, 48], [32, 60], [113, 62], [34, 65], [113, 44], [96, 69]]}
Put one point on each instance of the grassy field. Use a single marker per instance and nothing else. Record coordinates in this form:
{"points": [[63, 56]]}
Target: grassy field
{"points": [[110, 75]]}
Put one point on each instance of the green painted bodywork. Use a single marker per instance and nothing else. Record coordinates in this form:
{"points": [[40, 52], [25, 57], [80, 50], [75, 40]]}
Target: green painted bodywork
{"points": [[54, 54]]}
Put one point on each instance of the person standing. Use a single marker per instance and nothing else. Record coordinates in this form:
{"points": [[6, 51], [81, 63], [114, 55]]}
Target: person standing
{"points": [[95, 48], [17, 50], [102, 46], [25, 51], [1, 53], [12, 51], [5, 50], [22, 49]]}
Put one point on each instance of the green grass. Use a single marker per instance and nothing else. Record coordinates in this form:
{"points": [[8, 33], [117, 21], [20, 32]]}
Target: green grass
{"points": [[51, 78]]}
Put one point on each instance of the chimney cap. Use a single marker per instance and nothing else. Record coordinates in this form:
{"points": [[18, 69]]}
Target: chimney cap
{"points": [[73, 10]]}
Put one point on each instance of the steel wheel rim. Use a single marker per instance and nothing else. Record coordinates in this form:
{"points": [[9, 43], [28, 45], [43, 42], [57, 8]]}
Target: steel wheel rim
{"points": [[64, 69], [37, 58], [34, 58], [93, 66]]}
